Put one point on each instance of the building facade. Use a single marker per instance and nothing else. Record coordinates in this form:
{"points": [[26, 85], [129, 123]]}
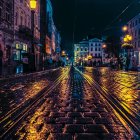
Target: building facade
{"points": [[22, 46], [134, 31], [89, 51], [6, 31], [53, 36]]}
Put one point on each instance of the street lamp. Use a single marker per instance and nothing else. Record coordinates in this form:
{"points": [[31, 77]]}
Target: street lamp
{"points": [[63, 53], [124, 28], [128, 38], [33, 5], [104, 46]]}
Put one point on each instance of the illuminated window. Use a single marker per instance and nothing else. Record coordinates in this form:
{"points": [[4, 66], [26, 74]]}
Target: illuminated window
{"points": [[24, 47], [17, 46]]}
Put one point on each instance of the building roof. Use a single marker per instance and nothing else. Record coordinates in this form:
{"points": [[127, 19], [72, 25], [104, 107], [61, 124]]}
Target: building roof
{"points": [[95, 40], [134, 18]]}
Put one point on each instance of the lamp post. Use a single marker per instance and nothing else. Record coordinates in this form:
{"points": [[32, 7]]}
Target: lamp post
{"points": [[104, 46], [125, 28], [127, 39], [33, 4]]}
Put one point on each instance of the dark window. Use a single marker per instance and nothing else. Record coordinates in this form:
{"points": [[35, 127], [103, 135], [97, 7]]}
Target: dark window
{"points": [[85, 49], [139, 32], [16, 16], [133, 24], [28, 21], [99, 49], [7, 16], [135, 32], [95, 54], [135, 44], [91, 49], [0, 12], [81, 49], [139, 44], [21, 20], [77, 49], [130, 25], [95, 49], [136, 23]]}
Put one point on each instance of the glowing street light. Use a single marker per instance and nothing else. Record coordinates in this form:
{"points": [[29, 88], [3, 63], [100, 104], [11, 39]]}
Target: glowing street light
{"points": [[104, 46], [63, 53], [86, 59], [89, 57], [127, 38], [125, 28], [33, 4]]}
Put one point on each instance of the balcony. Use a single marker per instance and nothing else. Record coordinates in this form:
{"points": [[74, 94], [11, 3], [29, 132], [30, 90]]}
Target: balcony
{"points": [[24, 32]]}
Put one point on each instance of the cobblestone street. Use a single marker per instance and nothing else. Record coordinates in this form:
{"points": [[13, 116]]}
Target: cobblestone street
{"points": [[72, 108]]}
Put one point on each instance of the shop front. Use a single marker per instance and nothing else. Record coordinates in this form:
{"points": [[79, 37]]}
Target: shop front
{"points": [[20, 56]]}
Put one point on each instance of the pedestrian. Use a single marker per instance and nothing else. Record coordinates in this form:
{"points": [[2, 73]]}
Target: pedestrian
{"points": [[1, 56]]}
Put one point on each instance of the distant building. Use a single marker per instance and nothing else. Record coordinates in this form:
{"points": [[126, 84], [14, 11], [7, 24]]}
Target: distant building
{"points": [[53, 35], [134, 30], [6, 30], [89, 51]]}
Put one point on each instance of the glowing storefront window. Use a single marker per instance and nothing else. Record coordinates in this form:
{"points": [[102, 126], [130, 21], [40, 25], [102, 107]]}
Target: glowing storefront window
{"points": [[17, 55], [24, 47], [17, 46]]}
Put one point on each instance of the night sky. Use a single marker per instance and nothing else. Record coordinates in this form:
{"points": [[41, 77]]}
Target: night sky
{"points": [[91, 17]]}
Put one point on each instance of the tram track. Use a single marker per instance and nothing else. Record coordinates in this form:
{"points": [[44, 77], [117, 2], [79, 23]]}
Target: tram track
{"points": [[133, 121], [15, 117]]}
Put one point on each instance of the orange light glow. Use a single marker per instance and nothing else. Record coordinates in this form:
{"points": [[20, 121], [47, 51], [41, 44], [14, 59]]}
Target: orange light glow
{"points": [[125, 28], [104, 46]]}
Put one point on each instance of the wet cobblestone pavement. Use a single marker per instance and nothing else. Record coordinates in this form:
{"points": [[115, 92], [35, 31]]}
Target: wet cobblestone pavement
{"points": [[73, 109]]}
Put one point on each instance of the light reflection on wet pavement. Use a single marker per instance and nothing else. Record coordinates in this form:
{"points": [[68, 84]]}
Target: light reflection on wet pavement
{"points": [[75, 109], [13, 95], [123, 86]]}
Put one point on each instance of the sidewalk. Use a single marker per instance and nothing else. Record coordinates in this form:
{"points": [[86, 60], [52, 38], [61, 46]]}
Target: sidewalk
{"points": [[10, 77]]}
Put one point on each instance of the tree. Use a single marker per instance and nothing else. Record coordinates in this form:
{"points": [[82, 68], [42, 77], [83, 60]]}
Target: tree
{"points": [[113, 45]]}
